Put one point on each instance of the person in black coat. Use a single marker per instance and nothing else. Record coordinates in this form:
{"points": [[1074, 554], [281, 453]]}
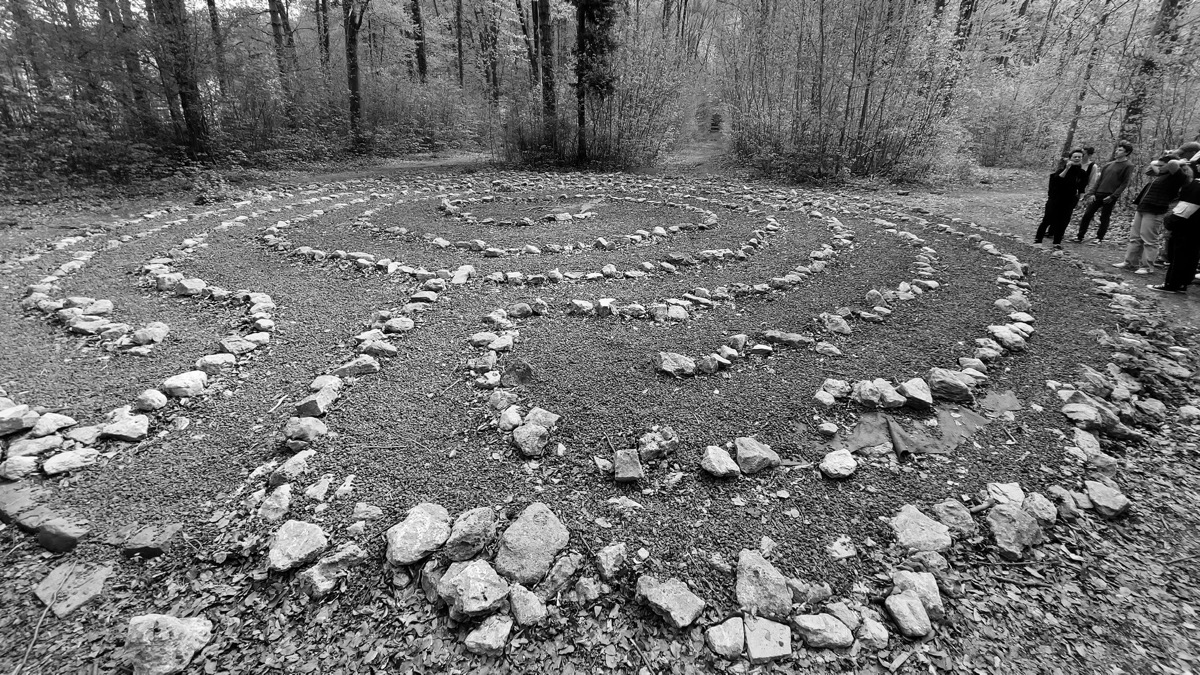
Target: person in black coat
{"points": [[1184, 224], [1066, 184]]}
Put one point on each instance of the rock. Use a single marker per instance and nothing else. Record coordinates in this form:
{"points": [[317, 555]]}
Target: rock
{"points": [[560, 575], [872, 634], [543, 417], [1042, 509], [761, 589], [153, 333], [610, 560], [674, 364], [70, 461], [275, 505], [529, 545], [1108, 502], [843, 613], [1013, 530], [425, 528], [158, 644], [317, 404], [185, 385], [888, 396], [305, 429], [671, 600], [527, 608], [916, 531], [822, 631], [627, 466], [360, 365], [838, 389], [834, 323], [867, 394], [809, 594], [838, 464], [925, 586], [909, 614], [472, 589], [70, 585], [490, 637], [17, 418], [956, 516], [126, 427], [1005, 493], [151, 399], [291, 470], [150, 541], [16, 468], [237, 345], [320, 579], [947, 384], [32, 447], [531, 439], [754, 456], [400, 324], [472, 531], [657, 444], [50, 423], [767, 640], [60, 535], [727, 639], [295, 543], [717, 462]]}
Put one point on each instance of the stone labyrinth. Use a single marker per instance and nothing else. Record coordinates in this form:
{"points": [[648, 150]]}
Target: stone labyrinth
{"points": [[532, 407]]}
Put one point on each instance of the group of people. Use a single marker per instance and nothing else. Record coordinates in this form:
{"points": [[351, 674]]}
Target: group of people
{"points": [[1165, 231]]}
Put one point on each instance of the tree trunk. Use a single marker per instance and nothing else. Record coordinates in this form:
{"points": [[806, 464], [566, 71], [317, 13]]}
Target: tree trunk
{"points": [[33, 57], [352, 17], [276, 10], [1145, 80], [549, 100], [218, 45], [171, 16], [1093, 55], [322, 12], [529, 45], [459, 35], [580, 87], [419, 40], [127, 26]]}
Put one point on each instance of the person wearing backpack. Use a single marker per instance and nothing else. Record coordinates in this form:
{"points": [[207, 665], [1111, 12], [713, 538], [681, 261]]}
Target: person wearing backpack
{"points": [[1168, 176], [1183, 222]]}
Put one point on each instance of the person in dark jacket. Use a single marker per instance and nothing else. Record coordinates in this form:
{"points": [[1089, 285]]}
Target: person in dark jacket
{"points": [[1184, 223], [1066, 183], [1105, 192], [1169, 175]]}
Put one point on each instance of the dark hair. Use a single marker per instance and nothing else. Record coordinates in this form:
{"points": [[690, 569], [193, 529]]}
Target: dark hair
{"points": [[1089, 150], [1127, 145], [1079, 150]]}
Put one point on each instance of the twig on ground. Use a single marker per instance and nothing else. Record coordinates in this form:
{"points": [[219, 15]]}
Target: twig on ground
{"points": [[984, 506], [450, 387], [277, 404], [645, 659], [38, 629], [1186, 557], [610, 443], [1018, 582], [1010, 436]]}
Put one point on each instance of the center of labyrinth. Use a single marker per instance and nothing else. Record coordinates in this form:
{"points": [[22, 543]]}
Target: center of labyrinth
{"points": [[489, 421]]}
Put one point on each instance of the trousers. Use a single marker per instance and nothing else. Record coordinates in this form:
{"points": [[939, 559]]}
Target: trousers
{"points": [[1184, 251], [1105, 209], [1144, 233], [1055, 219]]}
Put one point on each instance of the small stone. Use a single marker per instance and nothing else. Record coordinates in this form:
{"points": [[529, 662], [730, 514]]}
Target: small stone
{"points": [[472, 531], [674, 364], [610, 560], [822, 631], [925, 586], [531, 439], [150, 541], [754, 456], [529, 545], [320, 579], [956, 516], [490, 637], [717, 462], [159, 644], [361, 365], [1041, 508], [767, 640], [295, 543], [185, 385], [150, 399], [70, 585], [275, 505], [472, 589], [727, 639], [425, 528], [50, 423], [16, 468], [305, 429], [909, 614], [1108, 502], [71, 460], [872, 634], [838, 464], [1013, 530], [1005, 493], [840, 611], [916, 531], [60, 535], [670, 599], [947, 384], [761, 589], [527, 608]]}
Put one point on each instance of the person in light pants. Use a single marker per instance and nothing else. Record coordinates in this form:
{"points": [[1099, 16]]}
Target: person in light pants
{"points": [[1152, 204]]}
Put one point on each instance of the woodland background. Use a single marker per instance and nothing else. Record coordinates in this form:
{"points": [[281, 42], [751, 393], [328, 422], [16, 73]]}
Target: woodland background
{"points": [[115, 90]]}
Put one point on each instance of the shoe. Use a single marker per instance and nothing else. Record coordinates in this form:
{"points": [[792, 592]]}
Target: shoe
{"points": [[1037, 241], [1162, 288], [1058, 247], [1143, 270], [1078, 240], [1121, 266], [1095, 242]]}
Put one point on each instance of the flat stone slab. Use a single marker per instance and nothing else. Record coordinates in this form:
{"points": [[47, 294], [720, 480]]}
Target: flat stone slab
{"points": [[71, 585]]}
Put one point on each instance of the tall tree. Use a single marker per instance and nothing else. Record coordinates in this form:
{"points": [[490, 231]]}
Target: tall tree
{"points": [[1145, 79], [352, 18], [172, 20], [218, 42], [595, 21], [1085, 82], [321, 11], [419, 40], [545, 29]]}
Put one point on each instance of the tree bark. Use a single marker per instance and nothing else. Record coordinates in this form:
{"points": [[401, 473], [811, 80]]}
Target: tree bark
{"points": [[171, 16], [352, 18], [419, 39], [580, 77], [549, 98], [458, 34], [1145, 79], [322, 12], [529, 44], [33, 57], [218, 42], [1093, 55]]}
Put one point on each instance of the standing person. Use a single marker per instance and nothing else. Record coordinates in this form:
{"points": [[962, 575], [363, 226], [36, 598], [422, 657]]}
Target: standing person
{"points": [[1090, 166], [1168, 175], [1105, 191], [1184, 224], [1066, 182]]}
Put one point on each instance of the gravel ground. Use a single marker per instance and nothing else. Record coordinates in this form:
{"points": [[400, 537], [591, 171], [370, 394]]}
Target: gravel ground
{"points": [[414, 432]]}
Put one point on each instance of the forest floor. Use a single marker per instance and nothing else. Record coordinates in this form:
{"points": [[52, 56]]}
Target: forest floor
{"points": [[1096, 596]]}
